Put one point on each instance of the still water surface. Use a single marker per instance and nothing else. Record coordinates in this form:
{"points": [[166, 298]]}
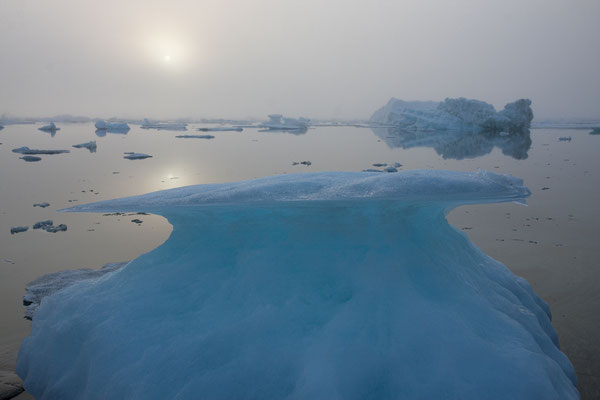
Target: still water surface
{"points": [[553, 242]]}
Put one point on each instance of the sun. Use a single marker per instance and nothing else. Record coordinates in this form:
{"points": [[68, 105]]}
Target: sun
{"points": [[167, 58]]}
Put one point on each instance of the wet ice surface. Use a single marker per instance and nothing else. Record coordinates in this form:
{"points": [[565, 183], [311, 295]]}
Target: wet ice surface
{"points": [[552, 242]]}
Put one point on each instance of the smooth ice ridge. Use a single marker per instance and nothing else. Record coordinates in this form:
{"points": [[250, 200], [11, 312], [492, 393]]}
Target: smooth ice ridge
{"points": [[310, 286], [455, 114], [415, 185]]}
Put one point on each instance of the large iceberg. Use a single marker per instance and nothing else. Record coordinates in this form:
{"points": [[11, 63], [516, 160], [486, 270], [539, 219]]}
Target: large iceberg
{"points": [[333, 285], [458, 114]]}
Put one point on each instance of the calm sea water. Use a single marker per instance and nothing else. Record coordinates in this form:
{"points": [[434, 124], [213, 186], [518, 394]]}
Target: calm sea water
{"points": [[553, 242]]}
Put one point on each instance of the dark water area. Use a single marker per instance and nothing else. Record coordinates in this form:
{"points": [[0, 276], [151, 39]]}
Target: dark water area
{"points": [[552, 242]]}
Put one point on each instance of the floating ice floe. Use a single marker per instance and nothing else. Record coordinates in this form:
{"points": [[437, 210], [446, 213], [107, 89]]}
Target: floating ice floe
{"points": [[278, 122], [113, 127], [42, 205], [43, 224], [31, 158], [28, 151], [168, 126], [222, 129], [18, 229], [565, 139], [595, 131], [195, 136], [91, 146], [1, 127], [307, 163], [52, 283], [323, 285], [49, 128], [135, 156]]}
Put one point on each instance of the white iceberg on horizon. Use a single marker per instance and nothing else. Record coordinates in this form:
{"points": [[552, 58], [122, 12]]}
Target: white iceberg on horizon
{"points": [[118, 127], [279, 122], [458, 114], [167, 126]]}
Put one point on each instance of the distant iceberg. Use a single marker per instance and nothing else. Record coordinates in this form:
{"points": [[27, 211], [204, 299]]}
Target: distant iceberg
{"points": [[281, 123], [114, 127], [333, 285], [459, 114], [49, 128], [168, 126]]}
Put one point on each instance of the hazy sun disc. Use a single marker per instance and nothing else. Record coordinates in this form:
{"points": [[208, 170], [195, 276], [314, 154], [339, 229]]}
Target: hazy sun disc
{"points": [[167, 58]]}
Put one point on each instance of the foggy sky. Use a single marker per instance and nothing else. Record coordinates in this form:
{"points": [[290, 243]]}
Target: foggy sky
{"points": [[316, 58]]}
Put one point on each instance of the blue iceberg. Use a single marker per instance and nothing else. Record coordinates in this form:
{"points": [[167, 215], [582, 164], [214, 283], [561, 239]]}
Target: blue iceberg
{"points": [[330, 285]]}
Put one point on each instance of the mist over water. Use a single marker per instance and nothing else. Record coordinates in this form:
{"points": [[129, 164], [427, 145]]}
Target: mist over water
{"points": [[341, 59]]}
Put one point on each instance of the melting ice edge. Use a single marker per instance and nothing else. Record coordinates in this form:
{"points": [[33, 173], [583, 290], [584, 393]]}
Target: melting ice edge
{"points": [[333, 285]]}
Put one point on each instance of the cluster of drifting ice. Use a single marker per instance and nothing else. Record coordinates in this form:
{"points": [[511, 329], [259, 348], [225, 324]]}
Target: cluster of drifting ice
{"points": [[168, 126], [118, 127], [325, 285], [455, 115]]}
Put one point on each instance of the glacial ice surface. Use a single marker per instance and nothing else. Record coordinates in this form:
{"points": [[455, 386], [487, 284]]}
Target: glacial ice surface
{"points": [[458, 114], [331, 285]]}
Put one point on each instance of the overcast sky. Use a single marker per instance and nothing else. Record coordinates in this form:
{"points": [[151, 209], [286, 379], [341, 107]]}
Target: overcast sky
{"points": [[316, 58]]}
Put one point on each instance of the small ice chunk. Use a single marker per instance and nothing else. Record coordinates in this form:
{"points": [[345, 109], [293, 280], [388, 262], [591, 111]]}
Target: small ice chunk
{"points": [[391, 169], [135, 156], [43, 205], [371, 170], [397, 165], [49, 128], [221, 129], [564, 139], [168, 126], [595, 131], [379, 165], [9, 261], [195, 136], [307, 163], [28, 151], [91, 146], [18, 229], [31, 158], [1, 127], [54, 229], [43, 224]]}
